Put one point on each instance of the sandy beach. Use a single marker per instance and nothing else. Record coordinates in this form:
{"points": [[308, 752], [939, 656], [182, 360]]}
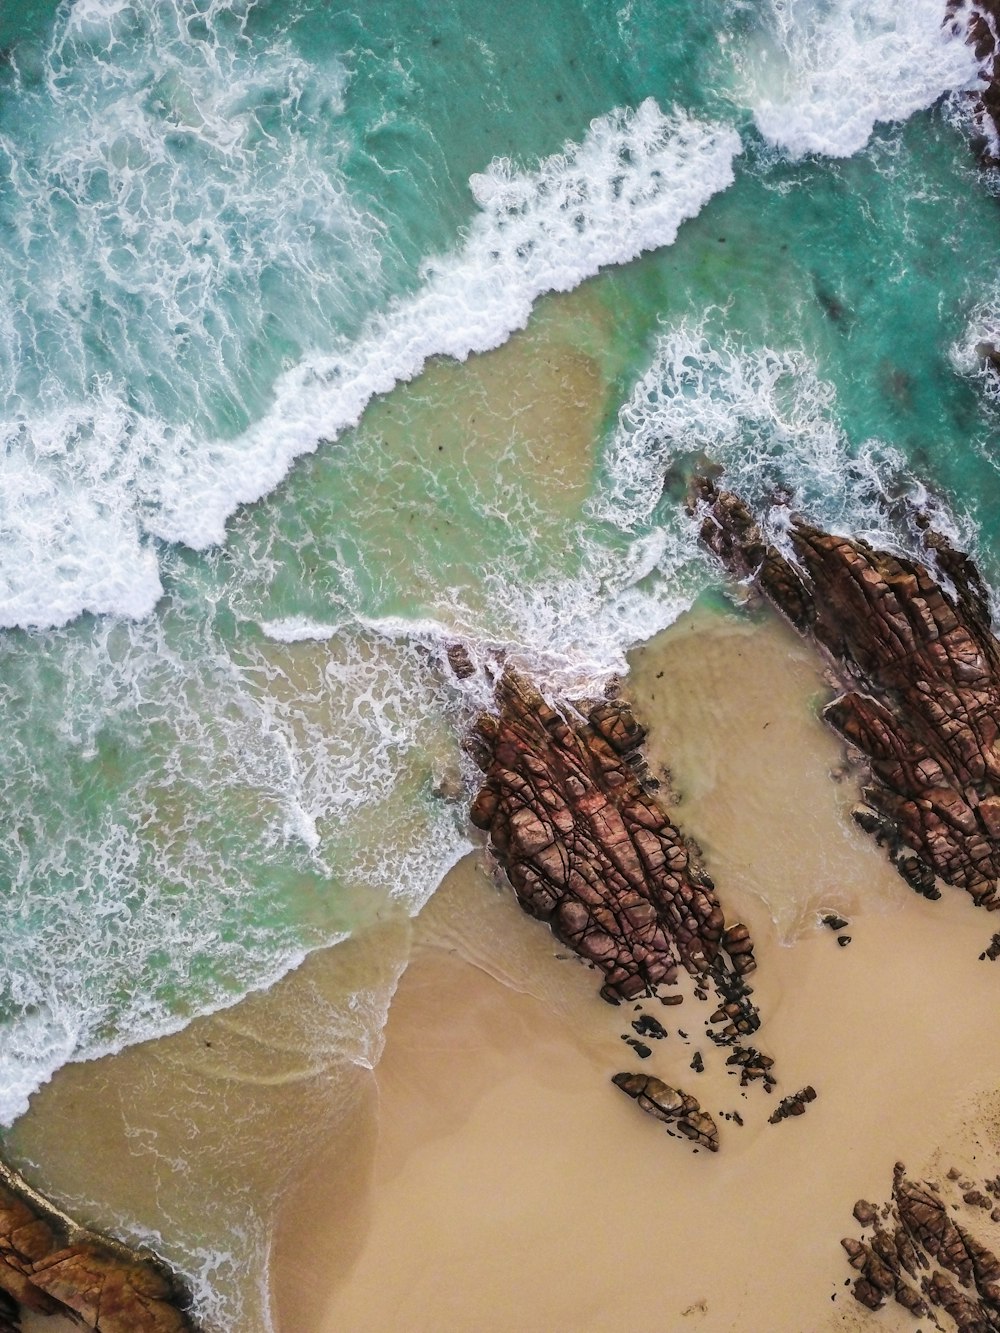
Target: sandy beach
{"points": [[484, 1172], [514, 1188]]}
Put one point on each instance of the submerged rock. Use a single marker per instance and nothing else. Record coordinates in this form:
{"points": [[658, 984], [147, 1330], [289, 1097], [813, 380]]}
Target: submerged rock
{"points": [[51, 1266], [588, 847], [920, 668]]}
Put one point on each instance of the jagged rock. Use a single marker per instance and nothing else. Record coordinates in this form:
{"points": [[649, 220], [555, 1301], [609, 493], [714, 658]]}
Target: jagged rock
{"points": [[920, 671], [793, 1105], [921, 1230], [978, 24], [51, 1266], [460, 661], [676, 1109], [589, 849], [834, 922], [865, 1212]]}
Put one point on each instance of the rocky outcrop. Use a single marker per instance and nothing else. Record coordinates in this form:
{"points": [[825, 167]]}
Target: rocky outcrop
{"points": [[897, 1259], [677, 1110], [51, 1266], [978, 23], [912, 647], [574, 822]]}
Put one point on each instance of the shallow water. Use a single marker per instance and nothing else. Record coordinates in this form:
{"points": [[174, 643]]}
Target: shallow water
{"points": [[326, 337]]}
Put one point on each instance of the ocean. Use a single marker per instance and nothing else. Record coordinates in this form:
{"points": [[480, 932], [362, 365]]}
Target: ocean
{"points": [[256, 475]]}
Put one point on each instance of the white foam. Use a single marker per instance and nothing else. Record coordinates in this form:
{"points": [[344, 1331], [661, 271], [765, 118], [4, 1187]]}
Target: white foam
{"points": [[982, 328], [174, 198], [627, 187], [300, 629], [828, 71]]}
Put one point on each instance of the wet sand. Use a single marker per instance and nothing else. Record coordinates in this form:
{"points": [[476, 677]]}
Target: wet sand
{"points": [[514, 1188], [486, 1174]]}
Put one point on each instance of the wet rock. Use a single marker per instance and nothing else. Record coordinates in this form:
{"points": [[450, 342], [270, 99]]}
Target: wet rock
{"points": [[589, 850], [460, 661], [912, 646], [834, 922], [641, 1049], [843, 940], [697, 1063], [678, 1110], [979, 23], [51, 1266]]}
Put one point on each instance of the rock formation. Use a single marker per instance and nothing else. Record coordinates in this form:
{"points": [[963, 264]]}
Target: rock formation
{"points": [[793, 1105], [677, 1110], [979, 24], [912, 647], [919, 1230], [588, 848], [51, 1266]]}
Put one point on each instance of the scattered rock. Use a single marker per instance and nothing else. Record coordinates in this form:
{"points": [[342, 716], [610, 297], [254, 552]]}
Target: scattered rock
{"points": [[460, 661], [793, 1105], [676, 1109], [752, 1066], [641, 1049], [918, 1234], [977, 1199], [697, 1063], [834, 922]]}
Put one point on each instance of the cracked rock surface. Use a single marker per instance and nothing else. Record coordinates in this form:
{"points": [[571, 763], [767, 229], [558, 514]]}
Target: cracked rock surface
{"points": [[677, 1110], [912, 647], [50, 1266], [915, 1238], [979, 24], [589, 849]]}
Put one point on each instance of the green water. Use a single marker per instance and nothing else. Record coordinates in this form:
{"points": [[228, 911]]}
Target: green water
{"points": [[226, 230]]}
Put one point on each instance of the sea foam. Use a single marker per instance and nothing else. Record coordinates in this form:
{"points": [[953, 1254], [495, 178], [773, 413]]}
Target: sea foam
{"points": [[828, 71], [193, 295], [625, 188]]}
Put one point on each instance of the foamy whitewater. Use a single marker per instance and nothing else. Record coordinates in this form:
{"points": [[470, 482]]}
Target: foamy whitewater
{"points": [[255, 478]]}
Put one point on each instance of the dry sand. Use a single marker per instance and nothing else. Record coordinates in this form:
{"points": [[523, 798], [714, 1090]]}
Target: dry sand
{"points": [[514, 1188]]}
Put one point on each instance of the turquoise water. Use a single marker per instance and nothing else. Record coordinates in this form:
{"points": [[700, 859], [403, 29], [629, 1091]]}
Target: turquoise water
{"points": [[252, 485]]}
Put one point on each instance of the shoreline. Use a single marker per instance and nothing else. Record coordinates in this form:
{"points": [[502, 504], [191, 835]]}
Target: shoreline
{"points": [[494, 1085]]}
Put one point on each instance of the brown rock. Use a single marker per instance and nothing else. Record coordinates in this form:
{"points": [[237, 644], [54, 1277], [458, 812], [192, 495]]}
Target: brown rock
{"points": [[588, 848], [50, 1265], [677, 1109], [912, 645]]}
